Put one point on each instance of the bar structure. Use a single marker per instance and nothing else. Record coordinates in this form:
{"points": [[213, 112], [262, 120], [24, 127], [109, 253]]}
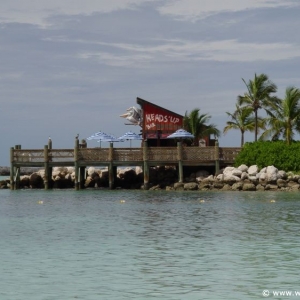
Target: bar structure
{"points": [[80, 157]]}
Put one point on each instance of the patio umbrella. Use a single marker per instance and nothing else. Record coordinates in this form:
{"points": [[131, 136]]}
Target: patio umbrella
{"points": [[100, 136], [110, 138], [130, 136], [180, 134]]}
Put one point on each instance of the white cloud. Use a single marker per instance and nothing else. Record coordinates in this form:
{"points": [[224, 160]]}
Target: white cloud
{"points": [[38, 11], [188, 51], [11, 75], [133, 60], [195, 9]]}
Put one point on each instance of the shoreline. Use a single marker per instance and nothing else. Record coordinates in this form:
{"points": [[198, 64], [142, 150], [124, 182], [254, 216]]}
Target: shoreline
{"points": [[243, 178]]}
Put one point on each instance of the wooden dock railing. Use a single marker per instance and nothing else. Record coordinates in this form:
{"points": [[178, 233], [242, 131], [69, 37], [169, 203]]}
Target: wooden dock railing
{"points": [[34, 157], [112, 157]]}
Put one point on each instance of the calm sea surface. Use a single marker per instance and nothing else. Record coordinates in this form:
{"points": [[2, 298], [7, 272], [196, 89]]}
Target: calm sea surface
{"points": [[100, 244]]}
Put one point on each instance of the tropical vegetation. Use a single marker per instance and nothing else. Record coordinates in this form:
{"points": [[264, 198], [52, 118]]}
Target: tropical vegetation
{"points": [[282, 116], [284, 120], [259, 96], [270, 153], [242, 120], [197, 124]]}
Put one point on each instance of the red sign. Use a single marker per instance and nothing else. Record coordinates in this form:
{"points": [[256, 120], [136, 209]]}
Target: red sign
{"points": [[156, 118]]}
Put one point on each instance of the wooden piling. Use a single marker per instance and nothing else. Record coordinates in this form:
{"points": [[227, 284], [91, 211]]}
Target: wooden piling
{"points": [[180, 166], [111, 178], [46, 167], [217, 158], [76, 163], [12, 168], [50, 183], [17, 172], [146, 166]]}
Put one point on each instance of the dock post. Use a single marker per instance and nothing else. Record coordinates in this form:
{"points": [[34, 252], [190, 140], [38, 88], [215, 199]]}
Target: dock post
{"points": [[82, 168], [46, 166], [17, 172], [50, 183], [180, 166], [111, 177], [217, 157], [146, 166], [76, 163], [12, 168]]}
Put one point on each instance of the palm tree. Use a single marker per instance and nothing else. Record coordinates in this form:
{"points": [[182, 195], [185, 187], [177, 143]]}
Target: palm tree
{"points": [[259, 96], [243, 120], [196, 123], [285, 118]]}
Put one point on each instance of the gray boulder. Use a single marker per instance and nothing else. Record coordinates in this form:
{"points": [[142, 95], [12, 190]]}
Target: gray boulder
{"points": [[238, 186], [249, 187], [190, 186]]}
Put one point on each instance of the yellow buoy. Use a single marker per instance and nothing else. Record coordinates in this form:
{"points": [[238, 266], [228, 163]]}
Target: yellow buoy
{"points": [[122, 201], [40, 202], [202, 201], [272, 201]]}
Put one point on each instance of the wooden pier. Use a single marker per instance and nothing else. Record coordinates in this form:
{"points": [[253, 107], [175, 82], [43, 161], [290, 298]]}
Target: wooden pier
{"points": [[80, 157]]}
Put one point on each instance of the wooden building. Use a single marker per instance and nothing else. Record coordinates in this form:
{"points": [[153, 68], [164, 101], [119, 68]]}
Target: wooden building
{"points": [[157, 123]]}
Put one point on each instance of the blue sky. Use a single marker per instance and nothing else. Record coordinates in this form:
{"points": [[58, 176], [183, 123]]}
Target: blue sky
{"points": [[74, 66]]}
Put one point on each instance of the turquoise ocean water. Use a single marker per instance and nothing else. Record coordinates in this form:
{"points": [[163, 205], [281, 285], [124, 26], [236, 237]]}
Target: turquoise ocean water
{"points": [[100, 244]]}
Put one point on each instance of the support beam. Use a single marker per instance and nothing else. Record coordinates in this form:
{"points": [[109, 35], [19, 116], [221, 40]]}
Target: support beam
{"points": [[17, 172], [17, 178], [180, 166], [146, 166], [12, 168], [111, 178], [50, 181], [217, 158], [76, 148], [46, 166]]}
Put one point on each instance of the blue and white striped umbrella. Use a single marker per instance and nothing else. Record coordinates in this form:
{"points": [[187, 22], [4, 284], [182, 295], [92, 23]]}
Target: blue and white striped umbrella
{"points": [[130, 136], [100, 136], [96, 136], [180, 134], [110, 138]]}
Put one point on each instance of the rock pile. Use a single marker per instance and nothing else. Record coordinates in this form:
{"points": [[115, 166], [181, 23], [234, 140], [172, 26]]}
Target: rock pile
{"points": [[243, 178], [5, 171]]}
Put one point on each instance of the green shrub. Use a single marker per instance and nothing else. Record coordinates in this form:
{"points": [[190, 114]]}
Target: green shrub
{"points": [[267, 153]]}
